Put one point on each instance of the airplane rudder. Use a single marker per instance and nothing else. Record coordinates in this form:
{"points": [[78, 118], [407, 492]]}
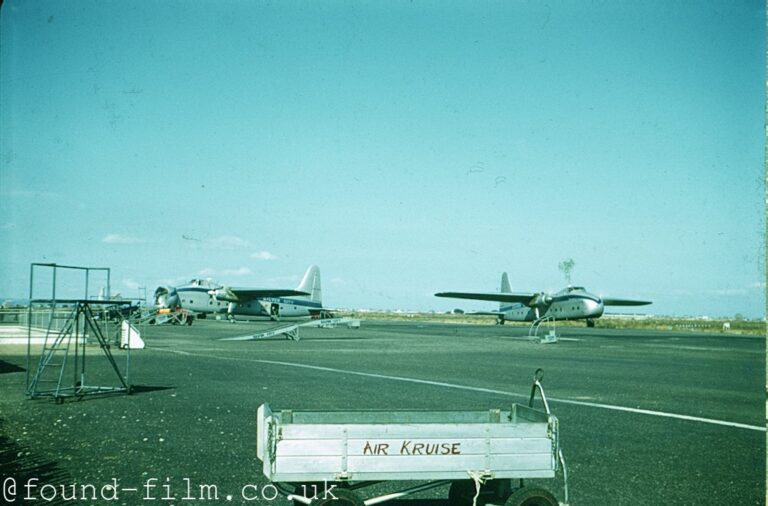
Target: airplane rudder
{"points": [[505, 286], [311, 283], [316, 286]]}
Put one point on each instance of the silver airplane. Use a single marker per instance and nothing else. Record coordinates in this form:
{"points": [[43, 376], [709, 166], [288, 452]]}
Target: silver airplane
{"points": [[203, 297], [571, 303]]}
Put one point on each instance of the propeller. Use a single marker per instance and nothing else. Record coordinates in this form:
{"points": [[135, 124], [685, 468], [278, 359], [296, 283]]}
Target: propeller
{"points": [[166, 297], [224, 294], [540, 299]]}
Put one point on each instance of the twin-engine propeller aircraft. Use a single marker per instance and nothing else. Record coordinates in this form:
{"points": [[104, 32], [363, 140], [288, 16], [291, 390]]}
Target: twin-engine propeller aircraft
{"points": [[204, 296], [571, 303]]}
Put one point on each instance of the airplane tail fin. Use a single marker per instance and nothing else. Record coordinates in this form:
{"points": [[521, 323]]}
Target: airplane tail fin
{"points": [[505, 287], [311, 284]]}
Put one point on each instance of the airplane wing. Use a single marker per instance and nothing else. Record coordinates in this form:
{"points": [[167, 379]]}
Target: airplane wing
{"points": [[524, 298], [625, 302], [485, 313], [244, 294]]}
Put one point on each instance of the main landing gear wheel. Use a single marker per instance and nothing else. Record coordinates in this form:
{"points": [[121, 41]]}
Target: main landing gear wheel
{"points": [[529, 496]]}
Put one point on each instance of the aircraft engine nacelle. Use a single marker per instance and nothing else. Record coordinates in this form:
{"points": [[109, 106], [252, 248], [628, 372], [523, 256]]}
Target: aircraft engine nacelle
{"points": [[224, 294], [167, 297], [540, 299]]}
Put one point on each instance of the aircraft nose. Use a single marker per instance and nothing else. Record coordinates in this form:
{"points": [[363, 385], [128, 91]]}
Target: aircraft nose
{"points": [[166, 298], [595, 307]]}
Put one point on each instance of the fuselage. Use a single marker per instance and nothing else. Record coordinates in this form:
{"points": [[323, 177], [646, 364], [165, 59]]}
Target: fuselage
{"points": [[196, 296], [272, 306], [572, 303]]}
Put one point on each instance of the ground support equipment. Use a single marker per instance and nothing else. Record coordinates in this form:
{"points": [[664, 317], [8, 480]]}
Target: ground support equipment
{"points": [[327, 457]]}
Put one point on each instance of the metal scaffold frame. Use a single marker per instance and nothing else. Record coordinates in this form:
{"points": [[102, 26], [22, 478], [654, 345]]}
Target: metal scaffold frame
{"points": [[68, 326]]}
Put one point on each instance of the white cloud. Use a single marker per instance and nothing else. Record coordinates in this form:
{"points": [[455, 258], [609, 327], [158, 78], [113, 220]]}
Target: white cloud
{"points": [[263, 255], [131, 284], [213, 273], [121, 239], [242, 271], [726, 292]]}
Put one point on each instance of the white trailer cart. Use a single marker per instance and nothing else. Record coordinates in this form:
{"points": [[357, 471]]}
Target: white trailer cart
{"points": [[320, 457]]}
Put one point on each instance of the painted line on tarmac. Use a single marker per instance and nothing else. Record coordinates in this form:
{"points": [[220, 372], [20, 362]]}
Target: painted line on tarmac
{"points": [[662, 414], [455, 386], [502, 392]]}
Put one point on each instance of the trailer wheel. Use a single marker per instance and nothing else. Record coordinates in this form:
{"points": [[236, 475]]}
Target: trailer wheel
{"points": [[310, 490], [340, 497], [462, 492], [529, 496]]}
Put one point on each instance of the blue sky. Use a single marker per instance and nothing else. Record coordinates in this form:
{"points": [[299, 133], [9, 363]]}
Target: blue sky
{"points": [[404, 147]]}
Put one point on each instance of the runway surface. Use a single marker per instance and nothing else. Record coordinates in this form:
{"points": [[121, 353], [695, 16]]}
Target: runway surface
{"points": [[645, 417]]}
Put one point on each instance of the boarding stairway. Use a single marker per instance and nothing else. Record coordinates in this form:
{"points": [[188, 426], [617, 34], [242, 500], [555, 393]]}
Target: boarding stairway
{"points": [[53, 357], [63, 356], [550, 337], [291, 331], [164, 316]]}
